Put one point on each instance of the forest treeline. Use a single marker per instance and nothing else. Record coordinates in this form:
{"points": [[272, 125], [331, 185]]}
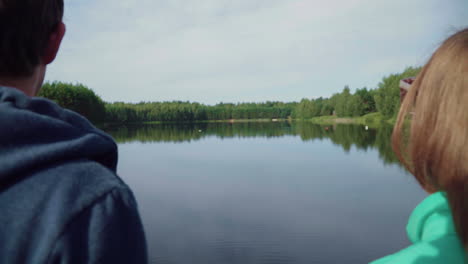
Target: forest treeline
{"points": [[385, 99], [79, 98], [186, 111], [83, 100]]}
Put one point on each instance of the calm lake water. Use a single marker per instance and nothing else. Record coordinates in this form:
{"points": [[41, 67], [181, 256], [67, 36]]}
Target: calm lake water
{"points": [[266, 192]]}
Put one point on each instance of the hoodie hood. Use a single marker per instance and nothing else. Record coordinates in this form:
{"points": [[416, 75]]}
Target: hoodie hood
{"points": [[36, 133]]}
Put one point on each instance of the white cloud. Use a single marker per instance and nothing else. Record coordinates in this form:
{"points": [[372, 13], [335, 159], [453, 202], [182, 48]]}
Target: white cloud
{"points": [[245, 50]]}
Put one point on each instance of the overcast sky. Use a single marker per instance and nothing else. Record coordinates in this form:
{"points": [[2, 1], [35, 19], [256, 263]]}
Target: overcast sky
{"points": [[246, 50]]}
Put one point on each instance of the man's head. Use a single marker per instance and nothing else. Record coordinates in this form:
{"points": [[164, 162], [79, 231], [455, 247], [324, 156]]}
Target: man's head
{"points": [[30, 35]]}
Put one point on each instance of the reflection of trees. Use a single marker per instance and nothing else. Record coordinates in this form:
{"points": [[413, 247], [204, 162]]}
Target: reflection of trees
{"points": [[195, 131], [248, 129], [384, 145], [342, 135], [308, 131], [155, 133], [349, 135]]}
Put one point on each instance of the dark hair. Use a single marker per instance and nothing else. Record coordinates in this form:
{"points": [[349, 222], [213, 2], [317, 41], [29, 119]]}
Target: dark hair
{"points": [[25, 28], [431, 133]]}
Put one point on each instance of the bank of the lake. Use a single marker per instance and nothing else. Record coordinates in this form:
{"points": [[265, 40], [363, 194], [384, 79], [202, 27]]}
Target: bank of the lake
{"points": [[258, 120], [254, 120], [372, 120]]}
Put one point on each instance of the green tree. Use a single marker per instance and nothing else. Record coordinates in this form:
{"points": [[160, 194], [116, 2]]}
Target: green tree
{"points": [[387, 95], [343, 106], [75, 97]]}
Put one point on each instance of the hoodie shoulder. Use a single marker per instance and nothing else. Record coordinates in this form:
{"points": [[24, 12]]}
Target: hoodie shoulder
{"points": [[82, 178], [114, 233], [42, 204]]}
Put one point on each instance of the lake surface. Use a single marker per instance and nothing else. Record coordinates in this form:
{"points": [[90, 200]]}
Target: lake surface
{"points": [[266, 192]]}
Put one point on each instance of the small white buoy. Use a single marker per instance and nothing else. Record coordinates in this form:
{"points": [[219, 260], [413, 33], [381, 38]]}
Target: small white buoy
{"points": [[367, 128], [199, 131]]}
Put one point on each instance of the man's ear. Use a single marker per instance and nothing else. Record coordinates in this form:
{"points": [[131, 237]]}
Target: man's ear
{"points": [[53, 44]]}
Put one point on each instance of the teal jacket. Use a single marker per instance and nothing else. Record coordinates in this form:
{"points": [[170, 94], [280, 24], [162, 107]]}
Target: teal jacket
{"points": [[432, 232]]}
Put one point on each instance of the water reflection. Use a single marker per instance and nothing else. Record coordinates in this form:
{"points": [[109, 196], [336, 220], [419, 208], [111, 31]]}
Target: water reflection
{"points": [[343, 135], [248, 193]]}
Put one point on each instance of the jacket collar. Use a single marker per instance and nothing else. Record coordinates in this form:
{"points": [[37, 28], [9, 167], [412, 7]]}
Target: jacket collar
{"points": [[431, 219]]}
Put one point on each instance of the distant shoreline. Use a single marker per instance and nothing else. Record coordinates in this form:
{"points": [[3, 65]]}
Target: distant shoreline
{"points": [[257, 120], [371, 120]]}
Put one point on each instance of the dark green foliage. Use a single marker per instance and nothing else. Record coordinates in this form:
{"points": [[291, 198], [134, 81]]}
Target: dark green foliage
{"points": [[366, 101], [313, 108], [188, 112], [75, 97], [387, 95], [84, 101], [343, 104], [385, 99]]}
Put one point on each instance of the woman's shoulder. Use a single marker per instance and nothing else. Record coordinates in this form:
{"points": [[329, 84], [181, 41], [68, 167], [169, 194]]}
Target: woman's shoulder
{"points": [[432, 232], [444, 250]]}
